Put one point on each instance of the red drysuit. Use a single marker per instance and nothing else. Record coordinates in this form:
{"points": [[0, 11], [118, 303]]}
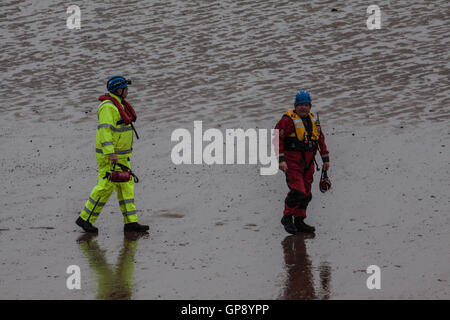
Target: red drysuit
{"points": [[299, 175]]}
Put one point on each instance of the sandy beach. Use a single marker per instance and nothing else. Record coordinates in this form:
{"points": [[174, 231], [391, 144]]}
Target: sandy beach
{"points": [[215, 233]]}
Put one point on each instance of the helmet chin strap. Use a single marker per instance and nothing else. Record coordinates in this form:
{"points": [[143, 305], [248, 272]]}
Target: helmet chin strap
{"points": [[121, 94]]}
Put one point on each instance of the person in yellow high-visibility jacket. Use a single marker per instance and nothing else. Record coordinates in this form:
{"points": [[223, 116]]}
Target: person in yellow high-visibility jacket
{"points": [[114, 145]]}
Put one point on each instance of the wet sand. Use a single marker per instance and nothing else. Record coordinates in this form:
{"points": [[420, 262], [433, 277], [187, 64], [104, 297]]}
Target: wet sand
{"points": [[215, 231]]}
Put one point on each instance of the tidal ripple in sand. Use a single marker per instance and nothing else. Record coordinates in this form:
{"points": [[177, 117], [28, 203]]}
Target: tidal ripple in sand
{"points": [[223, 60]]}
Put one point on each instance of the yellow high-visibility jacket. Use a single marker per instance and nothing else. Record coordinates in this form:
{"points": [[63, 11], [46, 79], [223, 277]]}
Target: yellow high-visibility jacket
{"points": [[112, 135]]}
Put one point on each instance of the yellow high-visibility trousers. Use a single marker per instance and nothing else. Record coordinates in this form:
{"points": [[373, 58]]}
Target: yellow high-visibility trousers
{"points": [[103, 190]]}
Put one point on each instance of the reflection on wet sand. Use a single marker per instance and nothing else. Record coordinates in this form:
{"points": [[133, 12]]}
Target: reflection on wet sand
{"points": [[300, 281], [112, 284], [325, 277]]}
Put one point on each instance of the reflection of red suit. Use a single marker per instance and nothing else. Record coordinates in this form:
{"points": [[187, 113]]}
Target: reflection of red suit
{"points": [[299, 279], [300, 172]]}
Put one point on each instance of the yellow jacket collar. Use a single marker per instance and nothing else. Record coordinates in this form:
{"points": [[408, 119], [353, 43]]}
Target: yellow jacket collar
{"points": [[116, 97]]}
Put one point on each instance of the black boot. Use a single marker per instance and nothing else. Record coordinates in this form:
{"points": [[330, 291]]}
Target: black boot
{"points": [[302, 226], [289, 226], [135, 227], [87, 226]]}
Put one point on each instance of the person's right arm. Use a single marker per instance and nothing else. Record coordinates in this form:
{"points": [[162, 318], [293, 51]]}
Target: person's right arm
{"points": [[285, 127]]}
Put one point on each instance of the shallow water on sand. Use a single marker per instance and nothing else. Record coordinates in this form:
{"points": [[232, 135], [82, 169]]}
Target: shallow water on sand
{"points": [[224, 60]]}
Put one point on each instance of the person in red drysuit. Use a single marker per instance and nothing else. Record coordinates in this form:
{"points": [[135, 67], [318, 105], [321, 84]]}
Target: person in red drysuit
{"points": [[300, 137]]}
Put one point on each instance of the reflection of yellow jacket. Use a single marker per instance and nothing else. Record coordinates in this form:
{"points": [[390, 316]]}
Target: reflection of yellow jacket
{"points": [[300, 131], [112, 285], [113, 136]]}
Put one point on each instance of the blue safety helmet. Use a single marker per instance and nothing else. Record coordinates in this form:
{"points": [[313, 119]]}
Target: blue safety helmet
{"points": [[116, 82], [302, 96]]}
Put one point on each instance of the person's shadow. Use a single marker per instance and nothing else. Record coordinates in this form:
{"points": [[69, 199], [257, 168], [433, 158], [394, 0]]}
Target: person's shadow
{"points": [[300, 281], [113, 284]]}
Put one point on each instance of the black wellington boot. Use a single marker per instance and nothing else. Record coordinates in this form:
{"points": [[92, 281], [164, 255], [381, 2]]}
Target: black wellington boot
{"points": [[87, 226], [302, 226], [289, 226], [135, 227]]}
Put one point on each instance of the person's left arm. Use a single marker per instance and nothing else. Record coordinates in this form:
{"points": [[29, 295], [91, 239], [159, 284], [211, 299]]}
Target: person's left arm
{"points": [[323, 150]]}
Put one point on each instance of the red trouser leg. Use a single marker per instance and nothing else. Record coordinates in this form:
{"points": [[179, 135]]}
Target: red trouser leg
{"points": [[299, 184], [308, 178]]}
